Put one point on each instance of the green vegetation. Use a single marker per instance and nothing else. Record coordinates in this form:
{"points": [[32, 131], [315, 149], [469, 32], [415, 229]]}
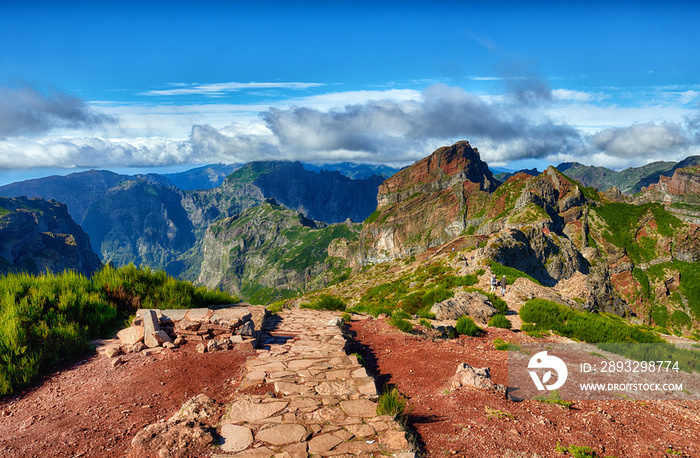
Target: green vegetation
{"points": [[578, 452], [436, 284], [495, 413], [500, 321], [372, 217], [584, 326], [501, 345], [466, 327], [49, 319], [392, 402], [622, 221], [606, 332], [510, 273], [325, 302], [425, 323], [554, 398]]}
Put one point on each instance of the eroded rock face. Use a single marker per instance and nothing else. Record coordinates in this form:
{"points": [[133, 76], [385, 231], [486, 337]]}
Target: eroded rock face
{"points": [[424, 205], [38, 235], [474, 305]]}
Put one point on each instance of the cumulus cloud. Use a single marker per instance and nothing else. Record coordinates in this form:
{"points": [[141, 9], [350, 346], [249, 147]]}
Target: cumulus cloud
{"points": [[92, 153], [641, 140], [28, 111], [385, 128]]}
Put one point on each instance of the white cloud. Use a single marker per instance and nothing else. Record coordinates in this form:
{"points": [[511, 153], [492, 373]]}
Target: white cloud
{"points": [[215, 89]]}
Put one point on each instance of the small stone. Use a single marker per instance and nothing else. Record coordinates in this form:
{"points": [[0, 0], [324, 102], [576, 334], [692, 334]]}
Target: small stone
{"points": [[111, 351], [179, 340], [138, 346], [282, 434], [394, 440], [201, 348], [131, 335], [169, 345], [236, 438], [116, 361], [162, 337], [323, 443], [150, 326]]}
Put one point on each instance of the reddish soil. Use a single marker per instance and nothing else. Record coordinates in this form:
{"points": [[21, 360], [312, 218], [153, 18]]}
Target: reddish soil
{"points": [[477, 423], [94, 410]]}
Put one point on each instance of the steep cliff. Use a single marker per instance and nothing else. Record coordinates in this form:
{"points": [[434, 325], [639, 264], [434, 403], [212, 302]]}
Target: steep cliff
{"points": [[38, 235], [141, 222], [425, 205], [268, 252]]}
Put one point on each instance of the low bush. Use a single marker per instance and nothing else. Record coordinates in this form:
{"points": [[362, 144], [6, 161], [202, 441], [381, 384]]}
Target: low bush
{"points": [[401, 324], [49, 319], [325, 302], [500, 321], [466, 327], [392, 402]]}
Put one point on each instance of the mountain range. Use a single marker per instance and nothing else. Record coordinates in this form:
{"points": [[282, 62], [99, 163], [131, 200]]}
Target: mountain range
{"points": [[275, 229]]}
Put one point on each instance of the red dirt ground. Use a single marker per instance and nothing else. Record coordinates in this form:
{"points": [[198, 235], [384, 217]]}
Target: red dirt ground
{"points": [[456, 423], [94, 410]]}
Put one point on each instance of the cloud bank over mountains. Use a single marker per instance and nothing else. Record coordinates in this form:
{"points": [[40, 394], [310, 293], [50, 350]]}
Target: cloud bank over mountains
{"points": [[40, 129]]}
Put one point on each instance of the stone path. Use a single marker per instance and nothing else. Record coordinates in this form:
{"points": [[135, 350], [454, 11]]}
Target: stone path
{"points": [[321, 401]]}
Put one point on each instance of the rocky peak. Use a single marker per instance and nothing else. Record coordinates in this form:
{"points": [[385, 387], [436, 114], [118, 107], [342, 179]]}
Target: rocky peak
{"points": [[38, 235], [444, 168]]}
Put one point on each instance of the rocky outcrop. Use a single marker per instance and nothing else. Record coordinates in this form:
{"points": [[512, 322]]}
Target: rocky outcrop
{"points": [[472, 304], [425, 204], [38, 236], [468, 376], [684, 182]]}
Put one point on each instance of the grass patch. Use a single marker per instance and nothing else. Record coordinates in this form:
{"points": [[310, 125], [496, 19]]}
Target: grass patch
{"points": [[578, 452], [501, 345], [325, 302], [392, 402], [495, 413], [554, 398]]}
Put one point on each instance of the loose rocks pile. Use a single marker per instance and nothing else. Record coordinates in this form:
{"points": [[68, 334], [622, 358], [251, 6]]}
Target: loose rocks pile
{"points": [[213, 329]]}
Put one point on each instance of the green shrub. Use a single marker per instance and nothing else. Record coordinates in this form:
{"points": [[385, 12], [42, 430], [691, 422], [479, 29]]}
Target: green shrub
{"points": [[48, 319], [401, 324], [425, 323], [500, 321], [325, 302], [465, 326]]}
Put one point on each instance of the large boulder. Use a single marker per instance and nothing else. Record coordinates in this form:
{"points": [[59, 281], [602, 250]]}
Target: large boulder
{"points": [[468, 376], [473, 304]]}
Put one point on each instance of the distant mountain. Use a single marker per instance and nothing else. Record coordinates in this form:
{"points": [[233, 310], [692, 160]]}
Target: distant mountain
{"points": [[77, 190], [354, 170], [504, 175], [206, 177], [629, 181], [38, 235], [269, 252], [140, 221]]}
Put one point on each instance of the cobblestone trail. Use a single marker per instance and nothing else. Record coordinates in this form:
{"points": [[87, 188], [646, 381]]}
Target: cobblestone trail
{"points": [[324, 404]]}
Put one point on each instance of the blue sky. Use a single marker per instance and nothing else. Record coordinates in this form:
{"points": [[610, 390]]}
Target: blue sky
{"points": [[169, 85]]}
